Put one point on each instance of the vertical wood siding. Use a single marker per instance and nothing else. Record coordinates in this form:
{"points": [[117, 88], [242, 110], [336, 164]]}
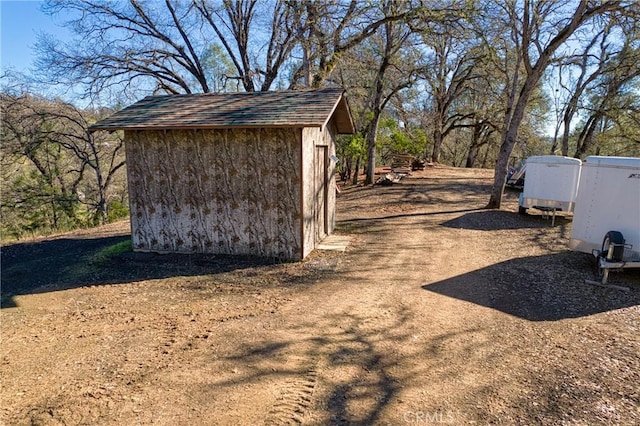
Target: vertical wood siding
{"points": [[312, 138], [329, 137], [235, 191]]}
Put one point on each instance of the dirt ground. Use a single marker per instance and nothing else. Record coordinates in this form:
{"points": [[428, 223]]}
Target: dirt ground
{"points": [[439, 312]]}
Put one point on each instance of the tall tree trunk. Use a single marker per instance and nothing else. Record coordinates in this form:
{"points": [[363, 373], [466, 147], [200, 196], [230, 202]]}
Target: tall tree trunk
{"points": [[356, 171], [554, 145], [565, 132], [372, 135], [347, 172], [485, 158], [481, 133], [437, 142], [509, 140], [587, 137], [583, 12]]}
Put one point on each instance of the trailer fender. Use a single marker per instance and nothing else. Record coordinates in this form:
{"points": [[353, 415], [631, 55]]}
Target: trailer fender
{"points": [[613, 246]]}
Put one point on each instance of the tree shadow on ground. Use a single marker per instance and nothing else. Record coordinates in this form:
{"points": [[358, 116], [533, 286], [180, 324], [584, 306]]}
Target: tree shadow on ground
{"points": [[345, 364], [496, 220], [541, 288], [346, 223], [66, 263]]}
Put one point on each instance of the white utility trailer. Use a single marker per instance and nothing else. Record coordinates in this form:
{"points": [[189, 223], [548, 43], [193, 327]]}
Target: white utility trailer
{"points": [[551, 184], [606, 218]]}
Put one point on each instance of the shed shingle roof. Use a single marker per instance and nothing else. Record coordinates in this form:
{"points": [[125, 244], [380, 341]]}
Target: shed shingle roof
{"points": [[308, 108]]}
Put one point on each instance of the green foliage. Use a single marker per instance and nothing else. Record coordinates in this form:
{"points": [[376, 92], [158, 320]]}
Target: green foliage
{"points": [[349, 149], [35, 203], [104, 255], [355, 146], [622, 139], [394, 140], [117, 210], [55, 175], [117, 248]]}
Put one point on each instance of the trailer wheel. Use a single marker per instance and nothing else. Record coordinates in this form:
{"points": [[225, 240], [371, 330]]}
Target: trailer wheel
{"points": [[615, 238], [522, 210]]}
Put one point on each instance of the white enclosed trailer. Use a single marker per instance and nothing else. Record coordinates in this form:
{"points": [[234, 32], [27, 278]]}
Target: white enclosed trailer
{"points": [[606, 218], [551, 183]]}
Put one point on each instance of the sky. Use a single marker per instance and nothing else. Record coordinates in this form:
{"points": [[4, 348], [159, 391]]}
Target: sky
{"points": [[20, 23]]}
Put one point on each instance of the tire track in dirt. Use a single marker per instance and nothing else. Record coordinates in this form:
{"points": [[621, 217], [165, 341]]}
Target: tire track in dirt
{"points": [[295, 399], [354, 363], [370, 339]]}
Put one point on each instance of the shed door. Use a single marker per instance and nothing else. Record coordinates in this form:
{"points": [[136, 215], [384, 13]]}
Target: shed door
{"points": [[321, 179]]}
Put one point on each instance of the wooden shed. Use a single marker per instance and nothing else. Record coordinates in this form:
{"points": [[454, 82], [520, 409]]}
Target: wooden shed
{"points": [[232, 173]]}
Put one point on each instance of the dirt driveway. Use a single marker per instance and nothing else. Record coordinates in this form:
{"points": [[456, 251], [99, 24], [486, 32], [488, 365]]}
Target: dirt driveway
{"points": [[439, 312]]}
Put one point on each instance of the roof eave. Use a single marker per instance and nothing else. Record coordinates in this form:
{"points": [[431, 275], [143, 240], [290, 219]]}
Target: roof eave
{"points": [[342, 116]]}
